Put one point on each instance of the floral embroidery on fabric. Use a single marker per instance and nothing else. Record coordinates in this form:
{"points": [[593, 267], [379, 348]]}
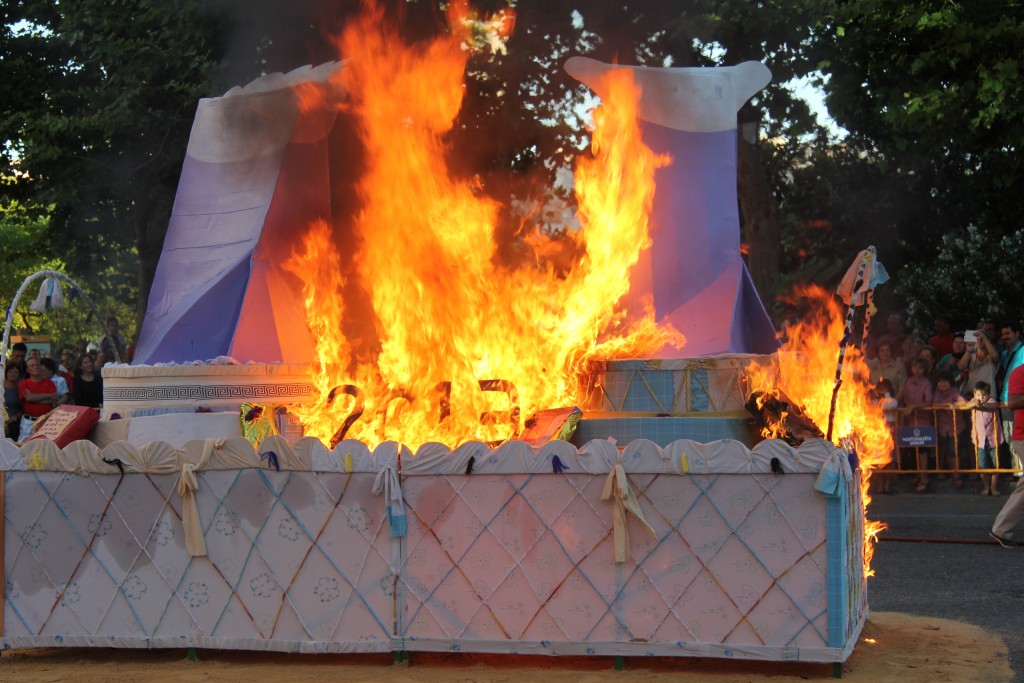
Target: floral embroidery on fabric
{"points": [[134, 587], [196, 595], [98, 525], [327, 589], [34, 536], [358, 518], [163, 533], [263, 585], [288, 529], [225, 524]]}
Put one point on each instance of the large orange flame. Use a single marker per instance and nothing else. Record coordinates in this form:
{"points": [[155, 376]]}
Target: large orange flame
{"points": [[806, 373], [467, 347]]}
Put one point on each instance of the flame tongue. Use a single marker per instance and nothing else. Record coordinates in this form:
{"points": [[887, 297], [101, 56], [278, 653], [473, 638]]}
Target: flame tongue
{"points": [[466, 346], [780, 419], [806, 373]]}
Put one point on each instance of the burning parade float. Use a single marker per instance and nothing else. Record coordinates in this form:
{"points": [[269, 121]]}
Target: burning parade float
{"points": [[405, 442]]}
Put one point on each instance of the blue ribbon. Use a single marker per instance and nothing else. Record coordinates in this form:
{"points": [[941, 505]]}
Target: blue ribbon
{"points": [[397, 522], [271, 457], [557, 466]]}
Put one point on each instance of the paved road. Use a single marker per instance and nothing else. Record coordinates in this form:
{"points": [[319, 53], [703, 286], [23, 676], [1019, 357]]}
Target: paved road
{"points": [[979, 583]]}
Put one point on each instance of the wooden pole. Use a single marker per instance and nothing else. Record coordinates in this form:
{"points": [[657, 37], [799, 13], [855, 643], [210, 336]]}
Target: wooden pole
{"points": [[858, 283]]}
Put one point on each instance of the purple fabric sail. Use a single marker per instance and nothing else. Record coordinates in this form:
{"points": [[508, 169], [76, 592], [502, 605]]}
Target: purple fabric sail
{"points": [[255, 176], [694, 272]]}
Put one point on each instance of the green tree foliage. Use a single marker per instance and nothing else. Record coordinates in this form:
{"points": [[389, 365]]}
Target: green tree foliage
{"points": [[985, 282], [932, 88], [96, 101], [26, 248], [23, 249]]}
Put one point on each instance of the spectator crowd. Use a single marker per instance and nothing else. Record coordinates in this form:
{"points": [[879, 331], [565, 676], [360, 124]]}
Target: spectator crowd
{"points": [[35, 383], [941, 381]]}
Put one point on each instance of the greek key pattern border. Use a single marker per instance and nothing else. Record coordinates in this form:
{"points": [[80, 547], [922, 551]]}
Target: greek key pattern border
{"points": [[208, 392]]}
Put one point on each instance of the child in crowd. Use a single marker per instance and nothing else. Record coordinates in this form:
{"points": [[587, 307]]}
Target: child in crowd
{"points": [[915, 393], [948, 424], [986, 435]]}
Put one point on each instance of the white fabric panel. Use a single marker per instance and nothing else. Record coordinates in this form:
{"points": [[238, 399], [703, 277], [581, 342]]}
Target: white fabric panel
{"points": [[355, 453], [219, 132], [11, 457], [164, 437], [292, 563], [107, 432], [809, 457], [697, 99], [177, 428], [508, 562], [599, 456]]}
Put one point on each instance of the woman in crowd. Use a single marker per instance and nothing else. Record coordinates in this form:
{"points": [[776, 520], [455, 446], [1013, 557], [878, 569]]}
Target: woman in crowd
{"points": [[88, 384], [886, 366], [12, 375]]}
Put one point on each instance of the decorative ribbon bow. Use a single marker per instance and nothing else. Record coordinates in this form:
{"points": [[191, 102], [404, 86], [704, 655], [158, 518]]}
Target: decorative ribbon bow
{"points": [[616, 487], [387, 484], [188, 483]]}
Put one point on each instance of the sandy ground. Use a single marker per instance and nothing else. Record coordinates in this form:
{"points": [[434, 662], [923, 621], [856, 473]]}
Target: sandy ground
{"points": [[892, 647]]}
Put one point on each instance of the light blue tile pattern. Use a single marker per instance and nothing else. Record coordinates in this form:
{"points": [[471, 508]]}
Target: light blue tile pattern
{"points": [[664, 430]]}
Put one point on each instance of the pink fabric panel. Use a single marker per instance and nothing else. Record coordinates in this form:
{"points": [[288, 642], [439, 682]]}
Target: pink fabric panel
{"points": [[517, 558]]}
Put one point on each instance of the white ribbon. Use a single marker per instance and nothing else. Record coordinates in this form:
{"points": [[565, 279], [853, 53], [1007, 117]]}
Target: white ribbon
{"points": [[188, 483], [616, 487], [387, 483], [51, 296]]}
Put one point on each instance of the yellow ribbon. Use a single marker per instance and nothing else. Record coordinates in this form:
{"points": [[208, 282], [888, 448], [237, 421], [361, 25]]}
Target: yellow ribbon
{"points": [[616, 488], [188, 483], [38, 463], [684, 463], [348, 462]]}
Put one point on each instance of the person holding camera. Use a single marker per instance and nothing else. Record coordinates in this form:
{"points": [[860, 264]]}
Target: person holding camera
{"points": [[979, 361]]}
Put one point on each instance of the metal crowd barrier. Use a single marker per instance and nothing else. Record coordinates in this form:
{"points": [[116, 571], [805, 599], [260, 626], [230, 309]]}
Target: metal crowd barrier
{"points": [[917, 443]]}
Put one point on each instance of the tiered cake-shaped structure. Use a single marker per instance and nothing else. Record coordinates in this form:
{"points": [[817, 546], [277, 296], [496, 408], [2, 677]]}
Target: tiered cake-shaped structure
{"points": [[676, 536]]}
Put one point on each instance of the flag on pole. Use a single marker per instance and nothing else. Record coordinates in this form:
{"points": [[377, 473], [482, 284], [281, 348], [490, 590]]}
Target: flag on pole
{"points": [[856, 283]]}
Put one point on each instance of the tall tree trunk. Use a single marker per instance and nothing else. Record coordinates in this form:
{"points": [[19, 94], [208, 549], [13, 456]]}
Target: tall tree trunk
{"points": [[759, 221]]}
